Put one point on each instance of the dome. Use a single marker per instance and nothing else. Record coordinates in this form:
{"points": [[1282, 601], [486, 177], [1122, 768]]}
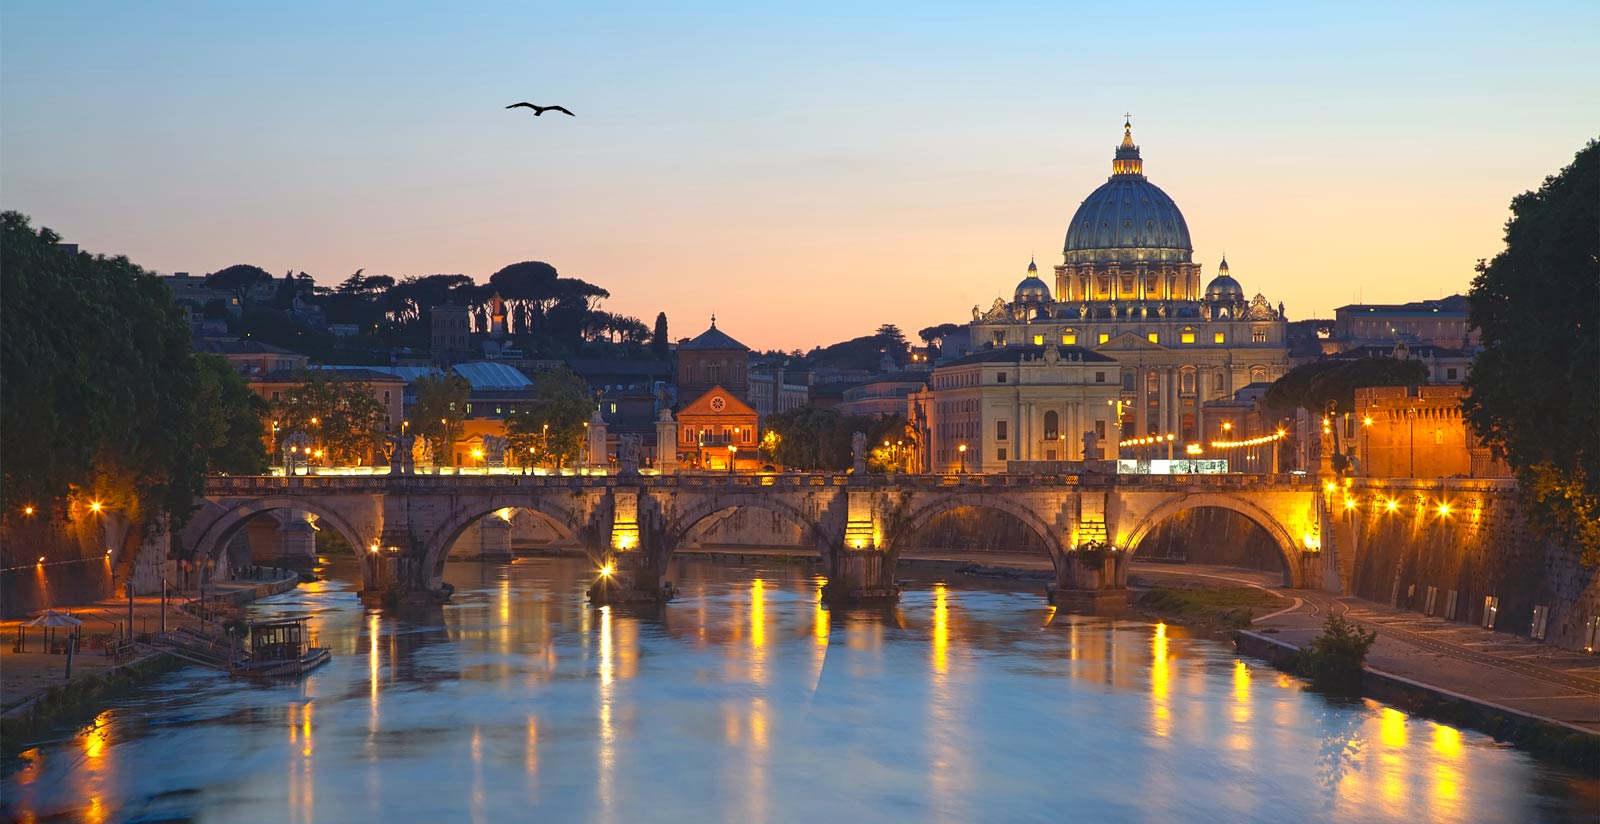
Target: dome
{"points": [[1128, 219], [1224, 289], [1032, 290]]}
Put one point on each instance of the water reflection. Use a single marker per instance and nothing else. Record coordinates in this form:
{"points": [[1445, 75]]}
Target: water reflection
{"points": [[749, 700]]}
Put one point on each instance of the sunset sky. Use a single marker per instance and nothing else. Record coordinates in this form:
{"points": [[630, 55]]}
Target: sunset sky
{"points": [[806, 174]]}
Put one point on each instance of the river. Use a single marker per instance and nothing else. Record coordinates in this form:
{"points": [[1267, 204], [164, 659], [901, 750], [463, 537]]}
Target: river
{"points": [[744, 700]]}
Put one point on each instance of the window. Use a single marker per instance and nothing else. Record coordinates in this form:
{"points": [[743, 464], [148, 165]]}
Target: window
{"points": [[1186, 381], [1000, 453], [1216, 382], [1258, 335], [1099, 377], [999, 430], [1219, 337], [1069, 337], [1127, 379], [1186, 336], [688, 434], [1154, 337], [746, 435], [999, 339], [613, 409], [1000, 377], [1052, 423], [1258, 374], [1450, 374], [1104, 337], [1038, 340]]}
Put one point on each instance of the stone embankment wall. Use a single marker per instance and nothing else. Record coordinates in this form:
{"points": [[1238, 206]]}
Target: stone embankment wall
{"points": [[1479, 547]]}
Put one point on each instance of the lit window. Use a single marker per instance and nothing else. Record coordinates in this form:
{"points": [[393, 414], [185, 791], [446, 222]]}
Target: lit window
{"points": [[1154, 337], [1104, 337], [1219, 337], [1038, 340], [1258, 336], [1069, 338], [1187, 336]]}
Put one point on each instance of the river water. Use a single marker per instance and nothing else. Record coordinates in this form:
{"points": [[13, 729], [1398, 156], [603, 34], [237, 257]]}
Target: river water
{"points": [[743, 700]]}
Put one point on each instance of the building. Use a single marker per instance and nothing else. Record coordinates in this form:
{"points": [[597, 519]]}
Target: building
{"points": [[450, 330], [883, 395], [250, 357], [1129, 289], [712, 359], [1445, 365], [1015, 403], [771, 392], [714, 428], [1440, 322], [1419, 432]]}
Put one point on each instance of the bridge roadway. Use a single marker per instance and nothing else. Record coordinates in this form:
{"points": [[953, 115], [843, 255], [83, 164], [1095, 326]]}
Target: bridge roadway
{"points": [[1091, 524]]}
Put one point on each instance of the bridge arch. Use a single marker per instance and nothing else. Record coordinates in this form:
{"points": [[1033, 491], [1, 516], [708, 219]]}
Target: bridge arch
{"points": [[216, 536], [922, 514], [1257, 515], [569, 523], [682, 523]]}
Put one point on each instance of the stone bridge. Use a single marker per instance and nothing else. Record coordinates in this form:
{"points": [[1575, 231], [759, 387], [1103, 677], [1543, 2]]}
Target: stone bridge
{"points": [[1091, 524]]}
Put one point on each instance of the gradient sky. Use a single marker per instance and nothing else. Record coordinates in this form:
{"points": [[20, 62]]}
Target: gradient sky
{"points": [[806, 173]]}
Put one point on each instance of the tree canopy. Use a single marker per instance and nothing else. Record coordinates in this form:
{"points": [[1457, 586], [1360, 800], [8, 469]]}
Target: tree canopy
{"points": [[553, 426], [1313, 386], [440, 408], [1532, 390], [100, 393], [810, 437], [343, 418]]}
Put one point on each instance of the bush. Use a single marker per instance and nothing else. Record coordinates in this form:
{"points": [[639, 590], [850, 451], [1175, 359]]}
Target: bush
{"points": [[1333, 660]]}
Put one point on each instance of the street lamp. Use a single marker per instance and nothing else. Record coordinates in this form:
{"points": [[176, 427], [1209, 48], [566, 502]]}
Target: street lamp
{"points": [[963, 450], [733, 455]]}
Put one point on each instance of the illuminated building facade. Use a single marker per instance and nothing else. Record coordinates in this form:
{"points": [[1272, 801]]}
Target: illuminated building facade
{"points": [[1129, 290]]}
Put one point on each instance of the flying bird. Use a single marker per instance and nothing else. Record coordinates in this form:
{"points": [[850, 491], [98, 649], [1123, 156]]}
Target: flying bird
{"points": [[538, 110]]}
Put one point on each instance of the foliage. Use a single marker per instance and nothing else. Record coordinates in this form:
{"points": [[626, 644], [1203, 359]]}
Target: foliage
{"points": [[933, 335], [239, 279], [554, 425], [438, 413], [98, 385], [1532, 390], [1333, 659], [229, 431], [810, 437], [1312, 386], [343, 417], [659, 342]]}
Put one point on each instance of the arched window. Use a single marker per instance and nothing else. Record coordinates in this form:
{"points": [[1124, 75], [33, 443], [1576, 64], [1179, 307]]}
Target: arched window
{"points": [[1216, 383], [1127, 380], [1052, 425], [1258, 374], [1186, 381]]}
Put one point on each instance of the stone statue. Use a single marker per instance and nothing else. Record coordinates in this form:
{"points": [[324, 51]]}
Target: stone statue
{"points": [[1052, 355], [1091, 446], [1162, 310], [408, 453], [858, 450], [494, 450], [628, 455], [975, 313]]}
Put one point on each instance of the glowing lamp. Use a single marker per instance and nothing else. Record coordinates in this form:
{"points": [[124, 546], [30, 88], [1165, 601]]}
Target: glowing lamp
{"points": [[1444, 509], [1391, 505], [27, 510], [94, 506], [1349, 503], [607, 570], [41, 559]]}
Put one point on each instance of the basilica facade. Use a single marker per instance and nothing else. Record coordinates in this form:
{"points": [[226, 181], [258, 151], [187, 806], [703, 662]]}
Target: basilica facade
{"points": [[1128, 298]]}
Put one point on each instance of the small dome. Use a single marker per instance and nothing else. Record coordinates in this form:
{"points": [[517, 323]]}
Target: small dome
{"points": [[1224, 289], [1032, 290]]}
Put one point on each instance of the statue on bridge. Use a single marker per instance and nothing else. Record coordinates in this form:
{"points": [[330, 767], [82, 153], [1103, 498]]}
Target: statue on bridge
{"points": [[858, 452], [628, 455], [401, 461], [1091, 446], [494, 450]]}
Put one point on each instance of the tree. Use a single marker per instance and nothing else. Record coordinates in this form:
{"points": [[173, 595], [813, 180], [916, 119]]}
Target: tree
{"points": [[239, 279], [344, 418], [1531, 392], [554, 425], [810, 437], [934, 335], [229, 430], [437, 415], [659, 342], [97, 382], [1313, 386]]}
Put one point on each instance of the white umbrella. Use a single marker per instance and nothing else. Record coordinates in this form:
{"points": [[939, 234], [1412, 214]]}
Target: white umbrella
{"points": [[51, 618]]}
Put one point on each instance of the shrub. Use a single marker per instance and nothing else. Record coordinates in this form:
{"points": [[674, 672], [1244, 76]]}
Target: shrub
{"points": [[1333, 659]]}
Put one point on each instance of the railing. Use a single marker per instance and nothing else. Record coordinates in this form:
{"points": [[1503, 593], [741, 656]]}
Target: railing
{"points": [[233, 486]]}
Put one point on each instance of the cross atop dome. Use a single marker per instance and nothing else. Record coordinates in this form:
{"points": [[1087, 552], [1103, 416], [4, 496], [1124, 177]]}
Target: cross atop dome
{"points": [[1127, 160]]}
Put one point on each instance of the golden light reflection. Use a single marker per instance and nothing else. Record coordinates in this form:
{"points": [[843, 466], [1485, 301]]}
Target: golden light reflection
{"points": [[1392, 728], [477, 801], [95, 741], [1446, 763], [819, 622], [608, 733], [941, 629], [1161, 713], [1447, 741], [531, 757], [758, 613]]}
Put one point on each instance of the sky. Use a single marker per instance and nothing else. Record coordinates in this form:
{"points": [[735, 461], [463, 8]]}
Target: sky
{"points": [[805, 171]]}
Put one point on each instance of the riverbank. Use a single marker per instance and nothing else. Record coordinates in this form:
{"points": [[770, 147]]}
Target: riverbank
{"points": [[35, 691]]}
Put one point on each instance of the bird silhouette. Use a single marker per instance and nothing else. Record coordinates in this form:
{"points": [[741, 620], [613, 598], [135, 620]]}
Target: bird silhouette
{"points": [[538, 110]]}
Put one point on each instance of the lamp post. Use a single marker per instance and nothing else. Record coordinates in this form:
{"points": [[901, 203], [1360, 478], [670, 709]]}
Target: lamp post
{"points": [[962, 449], [733, 455]]}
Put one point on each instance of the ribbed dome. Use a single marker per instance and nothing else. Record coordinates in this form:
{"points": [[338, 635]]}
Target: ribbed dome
{"points": [[1032, 290], [1223, 288], [1128, 219]]}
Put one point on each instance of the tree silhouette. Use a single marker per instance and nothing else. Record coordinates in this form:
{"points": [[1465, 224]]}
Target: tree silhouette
{"points": [[659, 343], [239, 279]]}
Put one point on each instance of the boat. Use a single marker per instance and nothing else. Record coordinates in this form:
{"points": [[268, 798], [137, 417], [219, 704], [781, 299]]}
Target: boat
{"points": [[279, 649]]}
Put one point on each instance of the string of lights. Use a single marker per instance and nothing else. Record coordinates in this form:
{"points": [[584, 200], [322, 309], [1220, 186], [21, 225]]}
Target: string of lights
{"points": [[1264, 439]]}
